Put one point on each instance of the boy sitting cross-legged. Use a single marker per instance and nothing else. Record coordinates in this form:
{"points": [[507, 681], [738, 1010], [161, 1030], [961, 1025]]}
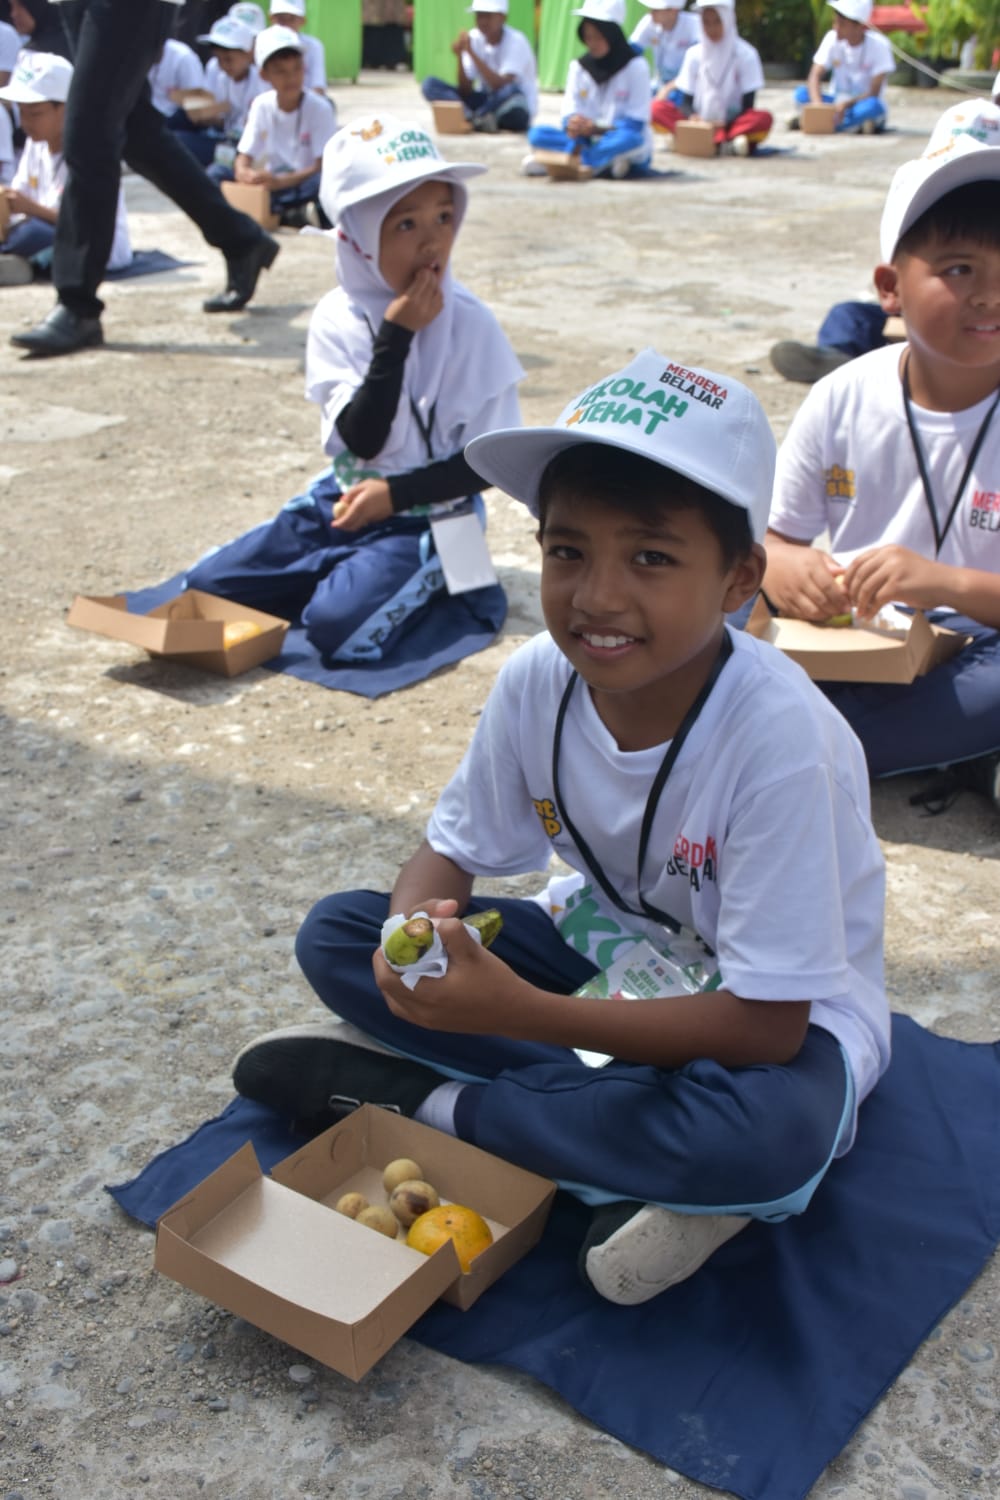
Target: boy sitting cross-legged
{"points": [[637, 740]]}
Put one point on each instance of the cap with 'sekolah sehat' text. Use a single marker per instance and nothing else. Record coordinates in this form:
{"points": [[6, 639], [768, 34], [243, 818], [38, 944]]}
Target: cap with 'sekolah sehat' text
{"points": [[232, 35], [695, 422], [853, 10], [601, 10], [979, 118], [380, 154], [289, 8], [39, 78], [919, 184], [251, 15], [275, 39]]}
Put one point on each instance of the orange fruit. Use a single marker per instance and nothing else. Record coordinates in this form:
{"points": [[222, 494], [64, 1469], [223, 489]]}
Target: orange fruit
{"points": [[468, 1231], [235, 631]]}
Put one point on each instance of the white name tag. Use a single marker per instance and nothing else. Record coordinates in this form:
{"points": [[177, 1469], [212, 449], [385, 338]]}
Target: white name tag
{"points": [[462, 552]]}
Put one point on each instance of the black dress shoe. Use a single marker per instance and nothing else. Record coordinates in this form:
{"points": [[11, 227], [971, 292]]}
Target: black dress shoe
{"points": [[243, 271], [62, 332]]}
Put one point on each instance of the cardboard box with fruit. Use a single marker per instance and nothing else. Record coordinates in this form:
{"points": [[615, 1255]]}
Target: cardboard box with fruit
{"points": [[200, 630], [296, 1254], [858, 654]]}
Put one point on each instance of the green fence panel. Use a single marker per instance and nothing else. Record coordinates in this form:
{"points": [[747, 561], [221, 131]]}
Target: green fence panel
{"points": [[337, 23], [558, 42], [436, 24]]}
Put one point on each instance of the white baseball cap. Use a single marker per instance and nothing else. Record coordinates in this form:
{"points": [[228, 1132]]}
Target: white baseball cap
{"points": [[602, 10], [490, 7], [380, 154], [853, 10], [289, 8], [251, 15], [976, 117], [705, 426], [275, 39], [227, 32], [39, 78], [663, 4], [714, 4], [919, 184]]}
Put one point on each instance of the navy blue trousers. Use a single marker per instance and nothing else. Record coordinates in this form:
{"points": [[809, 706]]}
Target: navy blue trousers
{"points": [[703, 1138]]}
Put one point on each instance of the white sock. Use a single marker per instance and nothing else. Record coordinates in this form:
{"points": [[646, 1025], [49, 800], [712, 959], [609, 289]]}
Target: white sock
{"points": [[438, 1109]]}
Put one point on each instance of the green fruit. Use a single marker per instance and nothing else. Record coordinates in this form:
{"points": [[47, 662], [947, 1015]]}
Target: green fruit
{"points": [[487, 924], [409, 941]]}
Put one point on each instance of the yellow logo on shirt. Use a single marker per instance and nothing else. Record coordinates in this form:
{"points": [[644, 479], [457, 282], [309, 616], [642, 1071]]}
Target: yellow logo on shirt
{"points": [[839, 483], [546, 810]]}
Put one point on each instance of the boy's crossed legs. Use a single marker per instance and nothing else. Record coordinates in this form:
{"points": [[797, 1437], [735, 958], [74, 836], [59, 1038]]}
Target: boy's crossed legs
{"points": [[678, 1160]]}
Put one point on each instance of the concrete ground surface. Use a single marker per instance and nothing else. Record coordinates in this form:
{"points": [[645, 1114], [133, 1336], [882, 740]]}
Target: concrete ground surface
{"points": [[164, 832]]}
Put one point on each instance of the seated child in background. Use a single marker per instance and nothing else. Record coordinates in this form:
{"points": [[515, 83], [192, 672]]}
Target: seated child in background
{"points": [[605, 108], [7, 152], [281, 147], [176, 70], [718, 81], [40, 87], [231, 78], [636, 741], [407, 367], [667, 31], [898, 454], [292, 13], [10, 46], [497, 75], [858, 62]]}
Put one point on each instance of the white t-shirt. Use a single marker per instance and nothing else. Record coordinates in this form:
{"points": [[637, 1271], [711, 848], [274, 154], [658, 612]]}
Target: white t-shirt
{"points": [[178, 68], [668, 47], [847, 463], [287, 140], [314, 57], [746, 76], [762, 842], [236, 94], [512, 54], [6, 146], [42, 176], [625, 96], [10, 46], [853, 68]]}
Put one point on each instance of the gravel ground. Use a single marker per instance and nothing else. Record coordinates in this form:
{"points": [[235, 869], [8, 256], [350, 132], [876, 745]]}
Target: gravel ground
{"points": [[165, 832]]}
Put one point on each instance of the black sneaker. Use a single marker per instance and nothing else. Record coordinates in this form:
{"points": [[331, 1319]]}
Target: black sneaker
{"points": [[981, 774], [806, 363], [312, 1076]]}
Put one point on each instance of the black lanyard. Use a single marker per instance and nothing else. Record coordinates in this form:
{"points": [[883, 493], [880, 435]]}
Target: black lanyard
{"points": [[925, 479], [426, 428], [652, 801]]}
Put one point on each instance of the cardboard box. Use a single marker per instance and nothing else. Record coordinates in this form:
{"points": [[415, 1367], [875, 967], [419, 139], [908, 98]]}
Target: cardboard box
{"points": [[4, 212], [189, 627], [275, 1251], [694, 138], [857, 654], [564, 166], [253, 200], [194, 100], [450, 117], [817, 119]]}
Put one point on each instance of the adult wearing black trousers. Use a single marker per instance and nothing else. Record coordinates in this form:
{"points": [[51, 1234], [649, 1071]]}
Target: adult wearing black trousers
{"points": [[110, 116]]}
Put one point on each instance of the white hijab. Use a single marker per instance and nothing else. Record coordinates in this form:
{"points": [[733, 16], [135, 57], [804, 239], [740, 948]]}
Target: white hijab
{"points": [[455, 367], [717, 67]]}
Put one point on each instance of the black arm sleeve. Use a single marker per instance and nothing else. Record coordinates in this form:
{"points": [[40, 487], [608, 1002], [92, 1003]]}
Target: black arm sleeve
{"points": [[748, 100], [448, 479], [365, 421]]}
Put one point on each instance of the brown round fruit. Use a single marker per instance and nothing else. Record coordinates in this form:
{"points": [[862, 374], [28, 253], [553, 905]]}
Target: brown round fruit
{"points": [[382, 1219], [401, 1170], [411, 1199], [352, 1204]]}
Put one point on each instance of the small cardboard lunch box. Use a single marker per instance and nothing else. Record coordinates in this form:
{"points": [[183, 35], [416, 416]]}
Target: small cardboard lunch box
{"points": [[857, 653], [817, 119], [694, 138], [274, 1249], [450, 117], [190, 627], [252, 199]]}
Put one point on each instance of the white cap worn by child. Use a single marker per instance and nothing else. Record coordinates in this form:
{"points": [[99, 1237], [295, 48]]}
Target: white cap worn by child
{"points": [[663, 4], [491, 7], [227, 32], [250, 15], [275, 39], [919, 184], [381, 154], [697, 423], [853, 10], [602, 10], [976, 117], [289, 8], [39, 78]]}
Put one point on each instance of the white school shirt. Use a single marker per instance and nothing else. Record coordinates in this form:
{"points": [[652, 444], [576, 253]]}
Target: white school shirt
{"points": [[287, 140], [848, 463], [761, 843], [178, 68], [314, 58], [746, 76], [42, 176], [236, 94], [853, 68], [668, 47], [10, 46], [6, 146], [512, 54]]}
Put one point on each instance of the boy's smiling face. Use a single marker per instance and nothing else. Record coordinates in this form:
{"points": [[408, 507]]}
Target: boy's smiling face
{"points": [[635, 601]]}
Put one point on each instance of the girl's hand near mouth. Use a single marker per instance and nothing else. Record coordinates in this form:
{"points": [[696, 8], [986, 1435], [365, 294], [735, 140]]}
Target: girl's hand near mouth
{"points": [[420, 303]]}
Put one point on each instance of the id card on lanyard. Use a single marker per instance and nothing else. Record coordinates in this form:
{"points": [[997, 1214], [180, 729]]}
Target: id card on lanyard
{"points": [[458, 536]]}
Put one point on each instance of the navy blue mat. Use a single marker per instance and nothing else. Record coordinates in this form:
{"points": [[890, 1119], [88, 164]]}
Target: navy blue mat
{"points": [[147, 263], [753, 1375], [455, 626]]}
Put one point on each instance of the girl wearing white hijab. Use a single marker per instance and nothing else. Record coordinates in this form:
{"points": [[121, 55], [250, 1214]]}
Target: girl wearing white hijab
{"points": [[407, 367], [718, 81]]}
